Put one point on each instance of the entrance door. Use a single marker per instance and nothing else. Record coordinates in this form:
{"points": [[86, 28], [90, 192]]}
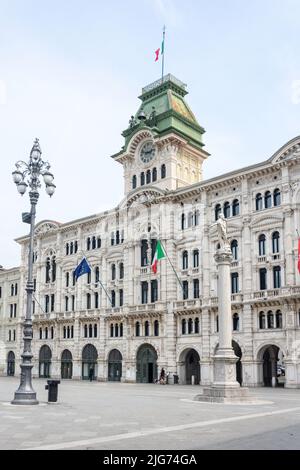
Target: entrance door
{"points": [[192, 367], [267, 369], [66, 365], [11, 364], [45, 361], [114, 366], [146, 364]]}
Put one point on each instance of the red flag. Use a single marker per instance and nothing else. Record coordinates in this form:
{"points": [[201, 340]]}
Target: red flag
{"points": [[157, 54], [299, 255]]}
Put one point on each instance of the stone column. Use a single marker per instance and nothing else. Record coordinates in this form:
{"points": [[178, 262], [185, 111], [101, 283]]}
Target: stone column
{"points": [[225, 359]]}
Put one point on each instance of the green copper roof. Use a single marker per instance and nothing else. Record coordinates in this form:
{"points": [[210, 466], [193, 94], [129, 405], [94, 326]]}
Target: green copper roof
{"points": [[166, 111]]}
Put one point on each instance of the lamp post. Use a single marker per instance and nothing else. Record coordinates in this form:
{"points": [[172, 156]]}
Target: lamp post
{"points": [[28, 174]]}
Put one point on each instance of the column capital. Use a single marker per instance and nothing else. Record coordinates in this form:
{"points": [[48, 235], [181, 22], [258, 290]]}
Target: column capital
{"points": [[223, 255]]}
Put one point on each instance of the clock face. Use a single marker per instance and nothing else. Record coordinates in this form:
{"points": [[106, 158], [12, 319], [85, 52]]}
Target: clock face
{"points": [[147, 152]]}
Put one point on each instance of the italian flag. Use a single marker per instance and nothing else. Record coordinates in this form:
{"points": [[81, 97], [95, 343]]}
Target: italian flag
{"points": [[159, 51], [158, 255]]}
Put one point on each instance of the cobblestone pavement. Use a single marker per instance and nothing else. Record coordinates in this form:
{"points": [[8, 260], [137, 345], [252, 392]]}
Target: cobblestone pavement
{"points": [[145, 416]]}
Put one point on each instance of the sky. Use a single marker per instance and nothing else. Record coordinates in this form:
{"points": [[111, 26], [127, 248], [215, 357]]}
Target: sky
{"points": [[71, 72]]}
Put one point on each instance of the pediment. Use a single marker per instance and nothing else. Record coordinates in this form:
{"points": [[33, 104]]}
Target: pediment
{"points": [[289, 151], [265, 220], [46, 226], [143, 197]]}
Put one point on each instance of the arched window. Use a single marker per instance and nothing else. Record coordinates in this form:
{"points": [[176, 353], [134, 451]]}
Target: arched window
{"points": [[268, 200], [270, 319], [262, 245], [89, 277], [71, 248], [144, 248], [48, 270], [196, 326], [277, 197], [12, 289], [190, 219], [46, 333], [121, 329], [218, 211], [235, 322], [196, 288], [134, 182], [156, 328], [97, 274], [75, 247], [88, 243], [67, 279], [142, 178], [146, 328], [217, 323], [262, 320], [90, 331], [121, 297], [88, 301], [113, 298], [137, 329], [53, 270], [185, 290], [185, 260], [64, 332], [234, 283], [85, 331], [154, 174], [183, 326], [112, 238], [111, 330], [190, 326], [277, 277], [117, 237], [113, 271], [234, 249], [226, 210], [235, 207], [66, 303], [41, 333], [278, 319], [96, 299], [275, 242], [121, 270], [98, 242], [258, 202], [148, 177], [72, 331], [68, 332], [196, 258], [116, 330], [196, 217], [163, 171], [93, 243], [182, 221], [67, 248], [262, 279]]}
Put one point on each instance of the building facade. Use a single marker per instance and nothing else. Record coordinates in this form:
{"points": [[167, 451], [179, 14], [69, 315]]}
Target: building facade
{"points": [[122, 321]]}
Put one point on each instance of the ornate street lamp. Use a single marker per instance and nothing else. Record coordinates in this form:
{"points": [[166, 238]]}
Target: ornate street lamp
{"points": [[28, 174]]}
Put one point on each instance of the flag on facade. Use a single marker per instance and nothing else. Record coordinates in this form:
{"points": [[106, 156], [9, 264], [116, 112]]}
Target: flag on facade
{"points": [[160, 50], [82, 268], [158, 255], [298, 255]]}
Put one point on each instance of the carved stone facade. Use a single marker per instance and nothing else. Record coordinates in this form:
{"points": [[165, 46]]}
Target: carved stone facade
{"points": [[156, 321]]}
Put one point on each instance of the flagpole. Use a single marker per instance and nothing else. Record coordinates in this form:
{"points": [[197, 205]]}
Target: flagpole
{"points": [[100, 283], [179, 280], [163, 55]]}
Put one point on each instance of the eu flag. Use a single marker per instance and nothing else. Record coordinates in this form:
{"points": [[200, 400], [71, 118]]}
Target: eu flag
{"points": [[82, 268]]}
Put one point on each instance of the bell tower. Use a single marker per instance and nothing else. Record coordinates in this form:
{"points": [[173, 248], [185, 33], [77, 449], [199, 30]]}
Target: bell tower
{"points": [[163, 142]]}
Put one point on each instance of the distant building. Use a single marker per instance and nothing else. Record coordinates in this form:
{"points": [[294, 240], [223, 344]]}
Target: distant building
{"points": [[151, 321]]}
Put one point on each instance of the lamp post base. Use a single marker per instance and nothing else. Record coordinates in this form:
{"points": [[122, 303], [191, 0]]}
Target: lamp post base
{"points": [[25, 398]]}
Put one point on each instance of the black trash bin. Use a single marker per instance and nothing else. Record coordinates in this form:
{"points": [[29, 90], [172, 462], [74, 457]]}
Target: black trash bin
{"points": [[175, 378], [52, 388]]}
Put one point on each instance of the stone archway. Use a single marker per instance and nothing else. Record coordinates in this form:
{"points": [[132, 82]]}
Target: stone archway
{"points": [[11, 364], [114, 366], [146, 364], [270, 359], [89, 362], [45, 357], [66, 364], [189, 367]]}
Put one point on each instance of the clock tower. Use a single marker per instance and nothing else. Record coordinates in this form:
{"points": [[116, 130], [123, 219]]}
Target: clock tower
{"points": [[163, 142]]}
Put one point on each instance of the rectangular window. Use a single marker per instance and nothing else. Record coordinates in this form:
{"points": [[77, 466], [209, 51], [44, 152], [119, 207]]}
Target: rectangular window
{"points": [[46, 303], [262, 279], [11, 310], [277, 277], [15, 310], [185, 290], [144, 287], [121, 297], [196, 288], [73, 303], [144, 248], [52, 302], [234, 283], [154, 291]]}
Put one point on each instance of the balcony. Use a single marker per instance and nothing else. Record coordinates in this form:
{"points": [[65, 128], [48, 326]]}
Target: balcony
{"points": [[188, 304], [237, 297], [261, 259], [265, 294]]}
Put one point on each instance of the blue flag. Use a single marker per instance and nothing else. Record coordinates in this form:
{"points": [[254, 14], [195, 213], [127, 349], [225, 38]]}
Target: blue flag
{"points": [[82, 268]]}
